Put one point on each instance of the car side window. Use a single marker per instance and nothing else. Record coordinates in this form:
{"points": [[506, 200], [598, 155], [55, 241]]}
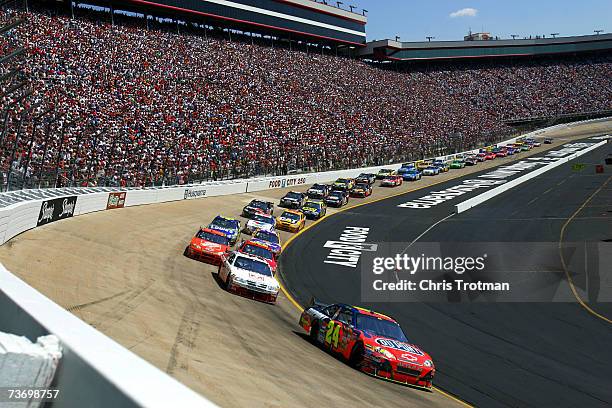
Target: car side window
{"points": [[345, 316], [231, 258], [330, 310]]}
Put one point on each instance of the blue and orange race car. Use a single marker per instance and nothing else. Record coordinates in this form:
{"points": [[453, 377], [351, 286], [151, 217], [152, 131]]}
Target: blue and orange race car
{"points": [[369, 341]]}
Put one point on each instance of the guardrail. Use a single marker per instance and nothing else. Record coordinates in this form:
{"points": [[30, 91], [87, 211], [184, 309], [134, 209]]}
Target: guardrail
{"points": [[95, 370]]}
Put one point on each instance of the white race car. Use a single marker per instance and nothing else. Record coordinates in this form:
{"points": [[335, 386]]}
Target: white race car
{"points": [[263, 222], [431, 171], [249, 276]]}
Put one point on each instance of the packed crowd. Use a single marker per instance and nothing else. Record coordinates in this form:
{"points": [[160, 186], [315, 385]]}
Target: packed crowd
{"points": [[133, 106]]}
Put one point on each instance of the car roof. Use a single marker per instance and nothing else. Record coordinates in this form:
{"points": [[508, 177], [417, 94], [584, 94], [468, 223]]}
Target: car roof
{"points": [[213, 231], [252, 257], [364, 311], [225, 218], [260, 244]]}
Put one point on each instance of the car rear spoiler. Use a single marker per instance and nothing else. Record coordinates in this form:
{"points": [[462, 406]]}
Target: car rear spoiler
{"points": [[315, 304]]}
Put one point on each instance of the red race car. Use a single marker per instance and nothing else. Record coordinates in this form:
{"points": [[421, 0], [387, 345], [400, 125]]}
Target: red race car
{"points": [[208, 246], [369, 341], [261, 250], [392, 181], [490, 156]]}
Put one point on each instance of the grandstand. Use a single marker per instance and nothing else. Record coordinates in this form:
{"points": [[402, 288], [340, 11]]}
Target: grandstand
{"points": [[117, 102]]}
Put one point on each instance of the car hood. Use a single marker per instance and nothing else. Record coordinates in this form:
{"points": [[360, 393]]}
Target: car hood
{"points": [[287, 220], [310, 209], [253, 276], [408, 353], [208, 245]]}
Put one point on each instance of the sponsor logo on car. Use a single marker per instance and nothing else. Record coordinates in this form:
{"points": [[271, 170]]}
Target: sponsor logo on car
{"points": [[56, 209], [398, 345]]}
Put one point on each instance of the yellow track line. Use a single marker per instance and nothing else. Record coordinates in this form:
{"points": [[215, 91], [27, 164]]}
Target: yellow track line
{"points": [[567, 274]]}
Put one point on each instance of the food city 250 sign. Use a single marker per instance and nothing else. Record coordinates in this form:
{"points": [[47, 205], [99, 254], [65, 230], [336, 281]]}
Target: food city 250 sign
{"points": [[56, 209], [282, 183]]}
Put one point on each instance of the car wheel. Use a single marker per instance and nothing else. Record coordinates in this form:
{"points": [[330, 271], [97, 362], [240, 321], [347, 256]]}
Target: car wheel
{"points": [[356, 355], [228, 281]]}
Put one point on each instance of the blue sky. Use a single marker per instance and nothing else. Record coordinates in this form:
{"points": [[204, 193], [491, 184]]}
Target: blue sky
{"points": [[414, 20]]}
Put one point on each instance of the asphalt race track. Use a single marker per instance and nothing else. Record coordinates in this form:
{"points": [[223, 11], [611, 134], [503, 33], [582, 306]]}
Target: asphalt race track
{"points": [[489, 354]]}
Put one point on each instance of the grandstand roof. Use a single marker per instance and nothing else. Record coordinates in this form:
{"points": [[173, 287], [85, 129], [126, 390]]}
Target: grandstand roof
{"points": [[434, 50]]}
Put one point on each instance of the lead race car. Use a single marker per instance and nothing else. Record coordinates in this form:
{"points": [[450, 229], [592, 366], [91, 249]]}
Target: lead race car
{"points": [[370, 341]]}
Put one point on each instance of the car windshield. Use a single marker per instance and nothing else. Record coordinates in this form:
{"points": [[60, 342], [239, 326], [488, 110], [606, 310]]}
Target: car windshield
{"points": [[432, 168], [362, 186], [221, 222], [363, 176], [297, 196], [342, 181], [317, 187], [267, 236], [262, 218], [209, 236], [258, 251], [259, 204], [380, 327], [336, 194], [253, 265], [312, 204], [291, 216]]}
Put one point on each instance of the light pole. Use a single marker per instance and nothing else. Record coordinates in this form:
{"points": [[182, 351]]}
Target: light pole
{"points": [[554, 35], [598, 31], [430, 38]]}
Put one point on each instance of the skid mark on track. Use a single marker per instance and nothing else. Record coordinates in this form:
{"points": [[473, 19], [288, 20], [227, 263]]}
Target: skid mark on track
{"points": [[95, 302], [124, 307], [186, 336]]}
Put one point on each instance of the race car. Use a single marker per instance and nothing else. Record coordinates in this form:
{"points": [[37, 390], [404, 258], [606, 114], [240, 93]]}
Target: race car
{"points": [[270, 238], [260, 250], [442, 165], [208, 246], [457, 164], [314, 209], [405, 170], [382, 173], [248, 276], [392, 181], [344, 184], [411, 175], [257, 207], [291, 220], [229, 226], [318, 191], [548, 140], [510, 150], [367, 178], [293, 199], [361, 190], [260, 222], [490, 156], [481, 157], [471, 160], [337, 198], [369, 341], [500, 152], [431, 171]]}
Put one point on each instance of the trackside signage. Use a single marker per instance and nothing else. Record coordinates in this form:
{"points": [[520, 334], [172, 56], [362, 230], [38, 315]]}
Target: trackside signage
{"points": [[493, 178], [191, 193], [349, 247], [56, 209]]}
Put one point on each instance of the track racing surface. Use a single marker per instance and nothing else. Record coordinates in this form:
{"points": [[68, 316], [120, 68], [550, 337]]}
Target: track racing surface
{"points": [[506, 354]]}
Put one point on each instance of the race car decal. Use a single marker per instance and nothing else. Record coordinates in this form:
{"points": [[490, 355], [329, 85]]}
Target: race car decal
{"points": [[398, 345]]}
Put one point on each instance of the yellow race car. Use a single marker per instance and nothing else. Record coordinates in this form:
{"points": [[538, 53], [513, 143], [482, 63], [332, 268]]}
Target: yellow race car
{"points": [[291, 220]]}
